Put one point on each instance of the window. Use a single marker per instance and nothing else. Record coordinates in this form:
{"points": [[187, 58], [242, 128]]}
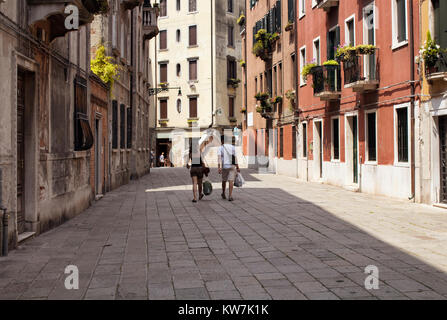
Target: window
{"points": [[178, 5], [114, 32], [335, 139], [316, 50], [304, 140], [275, 82], [114, 124], [256, 84], [192, 70], [163, 109], [179, 105], [83, 136], [230, 36], [193, 107], [280, 77], [192, 6], [177, 35], [163, 40], [192, 35], [122, 126], [291, 10], [230, 5], [231, 107], [163, 72], [399, 10], [402, 134], [281, 143], [129, 128], [302, 8], [350, 31], [294, 142], [231, 68], [333, 41], [371, 136], [261, 83], [179, 70], [439, 23], [302, 64], [293, 68], [163, 8]]}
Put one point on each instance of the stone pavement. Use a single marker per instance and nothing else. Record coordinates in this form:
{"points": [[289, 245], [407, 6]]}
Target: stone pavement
{"points": [[279, 239]]}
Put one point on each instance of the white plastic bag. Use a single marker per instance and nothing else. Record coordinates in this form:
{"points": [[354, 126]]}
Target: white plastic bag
{"points": [[239, 181]]}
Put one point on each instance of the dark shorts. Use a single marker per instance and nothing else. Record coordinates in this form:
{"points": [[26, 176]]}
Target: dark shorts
{"points": [[197, 172]]}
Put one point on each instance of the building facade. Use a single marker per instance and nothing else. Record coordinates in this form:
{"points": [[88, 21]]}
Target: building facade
{"points": [[45, 132], [197, 43], [125, 33], [432, 116]]}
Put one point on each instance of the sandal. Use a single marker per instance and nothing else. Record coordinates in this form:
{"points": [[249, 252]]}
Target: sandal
{"points": [[223, 196], [230, 199], [194, 200]]}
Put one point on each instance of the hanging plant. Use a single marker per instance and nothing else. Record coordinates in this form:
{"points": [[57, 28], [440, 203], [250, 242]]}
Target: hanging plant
{"points": [[242, 63], [278, 99], [262, 96], [264, 44], [331, 63], [233, 82], [243, 110], [348, 53], [431, 52], [241, 20], [104, 68], [307, 69]]}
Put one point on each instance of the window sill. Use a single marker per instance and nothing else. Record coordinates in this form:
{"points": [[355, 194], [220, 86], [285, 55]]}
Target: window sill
{"points": [[302, 15], [303, 84], [163, 17], [335, 160], [399, 45], [402, 164], [370, 163], [163, 50], [193, 12], [193, 46]]}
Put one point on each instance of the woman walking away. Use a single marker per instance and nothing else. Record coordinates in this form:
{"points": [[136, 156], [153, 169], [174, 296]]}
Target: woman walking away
{"points": [[197, 168]]}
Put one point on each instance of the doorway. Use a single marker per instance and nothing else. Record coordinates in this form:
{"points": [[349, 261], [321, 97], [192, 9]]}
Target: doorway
{"points": [[98, 158], [352, 162], [163, 146], [443, 157], [319, 147], [20, 151]]}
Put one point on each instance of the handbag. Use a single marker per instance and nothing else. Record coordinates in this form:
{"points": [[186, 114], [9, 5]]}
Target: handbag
{"points": [[207, 188]]}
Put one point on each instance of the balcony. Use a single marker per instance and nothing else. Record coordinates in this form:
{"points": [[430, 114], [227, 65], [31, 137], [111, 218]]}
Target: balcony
{"points": [[50, 14], [361, 72], [327, 82], [438, 71], [150, 16], [131, 4], [327, 4]]}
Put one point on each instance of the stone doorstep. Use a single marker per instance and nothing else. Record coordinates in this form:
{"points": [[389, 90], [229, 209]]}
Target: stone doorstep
{"points": [[25, 236]]}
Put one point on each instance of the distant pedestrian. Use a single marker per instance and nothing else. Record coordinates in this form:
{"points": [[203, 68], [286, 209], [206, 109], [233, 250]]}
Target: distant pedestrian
{"points": [[152, 158], [228, 166], [162, 159]]}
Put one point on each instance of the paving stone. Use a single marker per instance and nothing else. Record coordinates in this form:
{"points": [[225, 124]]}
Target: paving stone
{"points": [[307, 287], [192, 294], [220, 285]]}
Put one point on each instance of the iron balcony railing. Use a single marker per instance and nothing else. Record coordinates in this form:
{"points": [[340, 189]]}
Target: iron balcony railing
{"points": [[361, 68], [326, 79]]}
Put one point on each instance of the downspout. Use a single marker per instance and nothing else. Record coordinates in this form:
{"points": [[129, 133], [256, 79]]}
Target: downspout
{"points": [[212, 65], [133, 171], [412, 106], [296, 88]]}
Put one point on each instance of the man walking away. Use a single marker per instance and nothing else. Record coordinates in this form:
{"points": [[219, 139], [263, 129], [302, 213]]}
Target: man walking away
{"points": [[228, 166]]}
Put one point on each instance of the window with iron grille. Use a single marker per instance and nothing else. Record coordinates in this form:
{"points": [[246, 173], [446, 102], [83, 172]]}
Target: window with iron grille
{"points": [[304, 140], [402, 134], [231, 107], [115, 124], [230, 36], [192, 69], [163, 109], [83, 136], [163, 72], [281, 143], [122, 126], [371, 127], [335, 139], [129, 128], [231, 68], [294, 142], [230, 5], [291, 10]]}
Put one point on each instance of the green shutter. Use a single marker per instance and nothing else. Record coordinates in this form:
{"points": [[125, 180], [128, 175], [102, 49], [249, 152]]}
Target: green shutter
{"points": [[442, 23]]}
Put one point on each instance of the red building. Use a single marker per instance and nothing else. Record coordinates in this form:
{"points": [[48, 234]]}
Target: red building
{"points": [[355, 113]]}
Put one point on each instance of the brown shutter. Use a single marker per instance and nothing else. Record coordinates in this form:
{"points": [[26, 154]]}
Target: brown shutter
{"points": [[193, 35], [193, 107], [163, 40], [163, 109], [163, 72], [231, 107], [193, 70]]}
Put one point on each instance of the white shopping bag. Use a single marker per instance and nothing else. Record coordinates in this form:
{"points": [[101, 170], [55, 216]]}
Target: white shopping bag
{"points": [[239, 181]]}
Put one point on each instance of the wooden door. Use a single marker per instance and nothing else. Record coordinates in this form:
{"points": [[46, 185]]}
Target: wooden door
{"points": [[20, 152]]}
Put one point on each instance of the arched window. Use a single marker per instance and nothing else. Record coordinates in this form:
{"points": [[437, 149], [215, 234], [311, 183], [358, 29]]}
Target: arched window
{"points": [[179, 105], [178, 35], [179, 70]]}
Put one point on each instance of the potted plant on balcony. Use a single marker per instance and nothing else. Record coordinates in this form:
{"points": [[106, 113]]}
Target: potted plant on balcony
{"points": [[348, 53], [307, 69], [263, 47], [289, 26], [241, 20], [431, 53], [192, 122], [243, 110], [265, 108], [164, 85], [233, 82], [242, 63], [331, 63], [104, 68], [163, 123]]}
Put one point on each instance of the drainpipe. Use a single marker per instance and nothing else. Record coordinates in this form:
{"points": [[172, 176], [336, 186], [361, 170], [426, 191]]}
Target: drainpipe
{"points": [[412, 106], [212, 65], [5, 219], [133, 166]]}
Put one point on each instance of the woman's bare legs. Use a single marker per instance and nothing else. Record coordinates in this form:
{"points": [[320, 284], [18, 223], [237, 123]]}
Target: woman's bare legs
{"points": [[194, 187], [200, 185]]}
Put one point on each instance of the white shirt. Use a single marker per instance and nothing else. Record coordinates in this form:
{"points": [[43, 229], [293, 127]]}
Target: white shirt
{"points": [[225, 155]]}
